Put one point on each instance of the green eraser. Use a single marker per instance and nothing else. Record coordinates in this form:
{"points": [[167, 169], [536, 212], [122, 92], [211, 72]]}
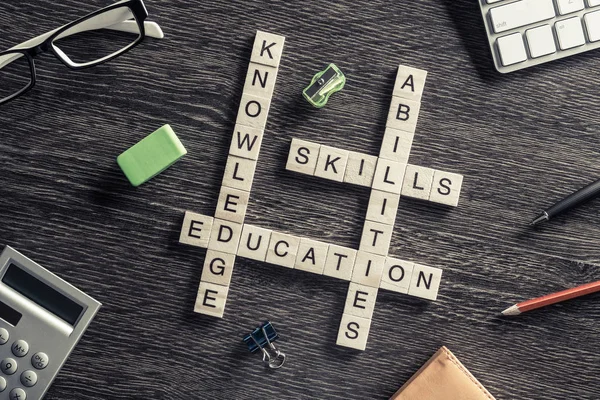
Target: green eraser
{"points": [[151, 156]]}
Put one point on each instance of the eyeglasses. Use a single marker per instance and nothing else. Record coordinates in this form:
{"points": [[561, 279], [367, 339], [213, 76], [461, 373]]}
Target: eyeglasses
{"points": [[86, 42]]}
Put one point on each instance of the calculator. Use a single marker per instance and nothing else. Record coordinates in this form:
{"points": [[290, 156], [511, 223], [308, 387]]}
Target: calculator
{"points": [[42, 318]]}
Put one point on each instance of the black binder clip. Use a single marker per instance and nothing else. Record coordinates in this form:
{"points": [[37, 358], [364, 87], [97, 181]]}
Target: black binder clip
{"points": [[262, 338]]}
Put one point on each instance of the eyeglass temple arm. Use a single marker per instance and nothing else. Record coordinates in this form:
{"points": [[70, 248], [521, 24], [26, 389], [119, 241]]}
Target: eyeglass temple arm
{"points": [[152, 29], [112, 21]]}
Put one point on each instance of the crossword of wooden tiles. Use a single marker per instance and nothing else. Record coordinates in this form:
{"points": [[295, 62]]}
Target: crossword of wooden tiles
{"points": [[369, 268]]}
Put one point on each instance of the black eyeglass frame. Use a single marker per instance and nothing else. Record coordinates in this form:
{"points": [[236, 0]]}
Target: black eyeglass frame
{"points": [[140, 14]]}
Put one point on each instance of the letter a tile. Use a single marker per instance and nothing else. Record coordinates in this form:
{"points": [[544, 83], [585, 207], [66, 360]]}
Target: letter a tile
{"points": [[410, 83], [311, 256]]}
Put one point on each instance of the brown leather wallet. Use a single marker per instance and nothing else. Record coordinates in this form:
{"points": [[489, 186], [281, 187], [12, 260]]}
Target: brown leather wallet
{"points": [[443, 377]]}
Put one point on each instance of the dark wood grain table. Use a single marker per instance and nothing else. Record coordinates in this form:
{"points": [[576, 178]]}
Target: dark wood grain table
{"points": [[521, 140]]}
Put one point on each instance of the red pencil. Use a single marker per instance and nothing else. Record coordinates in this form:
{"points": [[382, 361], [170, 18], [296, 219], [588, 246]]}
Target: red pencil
{"points": [[557, 297]]}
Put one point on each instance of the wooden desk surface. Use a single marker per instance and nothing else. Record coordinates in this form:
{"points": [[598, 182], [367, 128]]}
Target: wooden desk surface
{"points": [[522, 141]]}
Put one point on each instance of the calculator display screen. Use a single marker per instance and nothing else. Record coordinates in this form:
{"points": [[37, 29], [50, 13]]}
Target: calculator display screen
{"points": [[42, 294], [9, 314]]}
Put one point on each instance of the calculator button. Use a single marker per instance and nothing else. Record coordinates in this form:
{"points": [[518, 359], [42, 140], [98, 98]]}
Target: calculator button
{"points": [[2, 384], [8, 366], [39, 360], [28, 378], [17, 394], [20, 348], [4, 335]]}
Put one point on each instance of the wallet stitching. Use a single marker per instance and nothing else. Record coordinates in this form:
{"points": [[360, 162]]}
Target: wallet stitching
{"points": [[468, 374]]}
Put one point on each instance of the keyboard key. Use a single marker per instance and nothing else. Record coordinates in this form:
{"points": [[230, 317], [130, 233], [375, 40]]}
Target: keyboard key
{"points": [[521, 13], [592, 22], [593, 3], [540, 41], [512, 49], [569, 6], [570, 33]]}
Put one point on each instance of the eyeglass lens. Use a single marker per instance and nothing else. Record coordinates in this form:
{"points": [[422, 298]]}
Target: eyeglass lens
{"points": [[15, 75], [88, 43]]}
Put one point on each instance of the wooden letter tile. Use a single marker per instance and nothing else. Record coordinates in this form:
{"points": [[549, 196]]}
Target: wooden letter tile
{"points": [[267, 49], [331, 163], [403, 114], [368, 268], [354, 332], [303, 157], [246, 142], [396, 275], [211, 299], [239, 173], [340, 262], [376, 238], [196, 229], [311, 256], [253, 111], [232, 204], [225, 236], [254, 242], [446, 188], [417, 182], [361, 300], [383, 207], [389, 176], [360, 169], [425, 282], [282, 249], [396, 145], [410, 83], [260, 80], [217, 267]]}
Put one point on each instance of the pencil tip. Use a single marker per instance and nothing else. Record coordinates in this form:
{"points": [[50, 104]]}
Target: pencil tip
{"points": [[540, 218], [512, 310]]}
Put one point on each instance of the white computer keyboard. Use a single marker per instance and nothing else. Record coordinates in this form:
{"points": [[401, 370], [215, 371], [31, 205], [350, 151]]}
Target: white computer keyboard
{"points": [[524, 33]]}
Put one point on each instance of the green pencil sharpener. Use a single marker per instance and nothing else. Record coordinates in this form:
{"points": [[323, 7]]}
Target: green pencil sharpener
{"points": [[324, 84]]}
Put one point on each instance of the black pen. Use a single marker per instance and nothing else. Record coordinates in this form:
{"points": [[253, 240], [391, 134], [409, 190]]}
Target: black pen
{"points": [[573, 200]]}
